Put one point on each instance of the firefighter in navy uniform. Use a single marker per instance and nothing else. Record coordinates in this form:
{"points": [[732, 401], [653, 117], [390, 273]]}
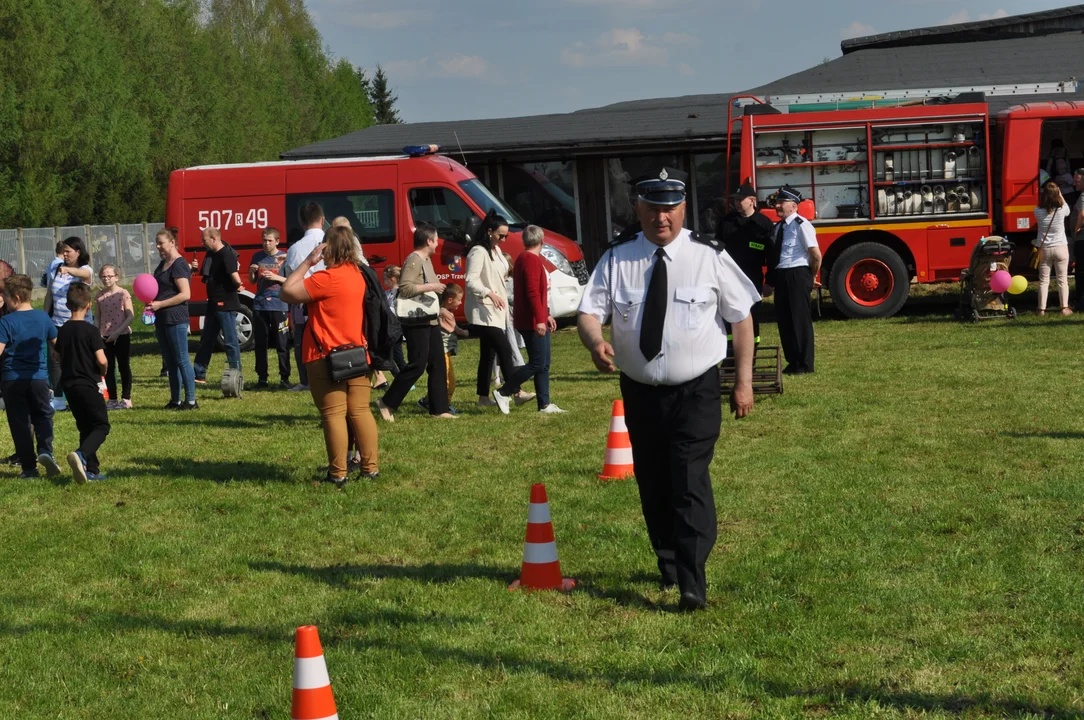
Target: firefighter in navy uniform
{"points": [[749, 237], [792, 270], [668, 292]]}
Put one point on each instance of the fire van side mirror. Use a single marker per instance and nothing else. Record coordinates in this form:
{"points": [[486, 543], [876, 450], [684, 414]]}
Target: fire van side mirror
{"points": [[474, 225]]}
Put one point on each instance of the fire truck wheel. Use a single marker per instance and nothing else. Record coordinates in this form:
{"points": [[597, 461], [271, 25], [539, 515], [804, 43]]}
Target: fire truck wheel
{"points": [[869, 280], [246, 336]]}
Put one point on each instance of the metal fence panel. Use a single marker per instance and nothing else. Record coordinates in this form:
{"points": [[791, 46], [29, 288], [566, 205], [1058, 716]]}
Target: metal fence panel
{"points": [[40, 245], [9, 249], [132, 251], [103, 247]]}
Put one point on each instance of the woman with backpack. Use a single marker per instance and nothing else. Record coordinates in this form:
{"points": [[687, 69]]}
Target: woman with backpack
{"points": [[418, 309]]}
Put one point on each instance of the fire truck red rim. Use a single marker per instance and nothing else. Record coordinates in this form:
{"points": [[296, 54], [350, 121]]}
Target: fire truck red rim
{"points": [[869, 282]]}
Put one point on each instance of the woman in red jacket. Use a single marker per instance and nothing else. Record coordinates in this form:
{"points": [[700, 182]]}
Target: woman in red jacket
{"points": [[531, 317]]}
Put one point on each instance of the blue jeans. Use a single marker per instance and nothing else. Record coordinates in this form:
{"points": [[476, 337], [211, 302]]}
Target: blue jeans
{"points": [[173, 340], [214, 321], [538, 367]]}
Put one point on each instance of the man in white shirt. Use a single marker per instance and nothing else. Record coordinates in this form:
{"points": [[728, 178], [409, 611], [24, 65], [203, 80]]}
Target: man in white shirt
{"points": [[793, 273], [312, 219], [668, 291]]}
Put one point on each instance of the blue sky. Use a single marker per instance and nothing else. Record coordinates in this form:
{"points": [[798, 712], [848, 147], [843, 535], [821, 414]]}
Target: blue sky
{"points": [[452, 60]]}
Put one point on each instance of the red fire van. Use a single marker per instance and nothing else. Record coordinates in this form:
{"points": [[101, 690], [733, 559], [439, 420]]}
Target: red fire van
{"points": [[384, 198]]}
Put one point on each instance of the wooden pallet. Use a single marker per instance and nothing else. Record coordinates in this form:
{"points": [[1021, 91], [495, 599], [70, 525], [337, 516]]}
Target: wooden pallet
{"points": [[767, 372]]}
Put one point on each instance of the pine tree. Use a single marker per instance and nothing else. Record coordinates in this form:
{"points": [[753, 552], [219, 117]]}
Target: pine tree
{"points": [[384, 112], [364, 82]]}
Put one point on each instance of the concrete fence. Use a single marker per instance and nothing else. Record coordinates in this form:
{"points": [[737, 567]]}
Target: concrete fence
{"points": [[129, 247]]}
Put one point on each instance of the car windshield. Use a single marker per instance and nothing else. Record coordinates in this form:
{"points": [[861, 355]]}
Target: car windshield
{"points": [[486, 200]]}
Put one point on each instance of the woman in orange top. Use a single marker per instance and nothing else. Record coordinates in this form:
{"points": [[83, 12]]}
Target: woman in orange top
{"points": [[335, 298]]}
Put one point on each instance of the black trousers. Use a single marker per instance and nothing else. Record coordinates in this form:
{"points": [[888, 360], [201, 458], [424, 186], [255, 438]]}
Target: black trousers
{"points": [[29, 406], [794, 316], [492, 341], [270, 331], [1078, 254], [425, 354], [92, 420], [119, 354], [398, 360], [673, 430], [754, 312]]}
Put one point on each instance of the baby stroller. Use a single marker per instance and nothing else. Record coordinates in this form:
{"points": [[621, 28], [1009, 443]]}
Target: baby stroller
{"points": [[977, 300]]}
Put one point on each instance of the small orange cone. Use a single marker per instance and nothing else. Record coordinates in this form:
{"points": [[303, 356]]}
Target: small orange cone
{"points": [[541, 570], [312, 686], [618, 462], [104, 388]]}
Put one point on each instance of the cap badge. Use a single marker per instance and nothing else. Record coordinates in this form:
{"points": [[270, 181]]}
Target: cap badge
{"points": [[663, 175]]}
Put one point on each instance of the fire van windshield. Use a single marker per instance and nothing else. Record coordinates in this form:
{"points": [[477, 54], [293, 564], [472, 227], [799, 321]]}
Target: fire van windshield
{"points": [[486, 200]]}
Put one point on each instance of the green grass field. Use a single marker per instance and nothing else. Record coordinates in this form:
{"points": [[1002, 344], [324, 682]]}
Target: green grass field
{"points": [[900, 536]]}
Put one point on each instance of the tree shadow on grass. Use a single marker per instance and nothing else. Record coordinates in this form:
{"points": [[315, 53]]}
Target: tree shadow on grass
{"points": [[257, 421], [348, 575], [219, 471], [1062, 435]]}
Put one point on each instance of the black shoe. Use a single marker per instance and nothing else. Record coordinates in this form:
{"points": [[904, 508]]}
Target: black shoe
{"points": [[11, 460], [423, 403], [189, 406], [171, 405], [381, 386], [691, 602], [801, 371], [261, 385], [374, 475], [339, 483], [163, 373]]}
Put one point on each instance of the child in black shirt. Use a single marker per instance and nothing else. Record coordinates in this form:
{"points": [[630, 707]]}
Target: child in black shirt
{"points": [[82, 364]]}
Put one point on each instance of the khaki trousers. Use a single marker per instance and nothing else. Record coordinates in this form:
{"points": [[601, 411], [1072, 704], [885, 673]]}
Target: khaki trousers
{"points": [[342, 403], [1059, 258]]}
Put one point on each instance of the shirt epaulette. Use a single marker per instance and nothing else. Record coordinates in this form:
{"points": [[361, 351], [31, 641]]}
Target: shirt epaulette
{"points": [[714, 243], [799, 219]]}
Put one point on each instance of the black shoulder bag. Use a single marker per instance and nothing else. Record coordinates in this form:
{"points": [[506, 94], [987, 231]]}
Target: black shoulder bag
{"points": [[346, 361]]}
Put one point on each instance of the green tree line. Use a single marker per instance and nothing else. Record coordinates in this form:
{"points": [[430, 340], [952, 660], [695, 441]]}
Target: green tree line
{"points": [[101, 99]]}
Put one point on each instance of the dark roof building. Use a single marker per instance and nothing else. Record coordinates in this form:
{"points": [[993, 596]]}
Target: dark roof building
{"points": [[570, 172]]}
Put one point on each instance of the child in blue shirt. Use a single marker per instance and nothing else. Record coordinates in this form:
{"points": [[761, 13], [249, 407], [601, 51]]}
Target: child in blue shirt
{"points": [[26, 336]]}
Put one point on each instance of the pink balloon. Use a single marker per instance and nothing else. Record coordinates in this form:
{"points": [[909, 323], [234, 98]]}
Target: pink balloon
{"points": [[145, 287], [1000, 281]]}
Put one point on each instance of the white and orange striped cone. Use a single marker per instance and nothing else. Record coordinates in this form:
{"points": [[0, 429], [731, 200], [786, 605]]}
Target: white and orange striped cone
{"points": [[541, 570], [103, 389], [618, 462], [312, 687]]}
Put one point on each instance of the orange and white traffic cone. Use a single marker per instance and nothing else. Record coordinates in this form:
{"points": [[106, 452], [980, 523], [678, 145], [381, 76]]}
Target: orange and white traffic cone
{"points": [[541, 570], [312, 687], [103, 389], [618, 462]]}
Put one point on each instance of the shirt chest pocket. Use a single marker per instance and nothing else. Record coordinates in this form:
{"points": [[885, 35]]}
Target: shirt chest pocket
{"points": [[693, 306], [628, 306]]}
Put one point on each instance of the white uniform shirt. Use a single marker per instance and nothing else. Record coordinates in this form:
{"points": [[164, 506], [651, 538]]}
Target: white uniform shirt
{"points": [[705, 287], [798, 237], [300, 250]]}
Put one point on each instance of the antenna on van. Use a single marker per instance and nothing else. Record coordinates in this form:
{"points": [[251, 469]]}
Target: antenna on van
{"points": [[461, 154]]}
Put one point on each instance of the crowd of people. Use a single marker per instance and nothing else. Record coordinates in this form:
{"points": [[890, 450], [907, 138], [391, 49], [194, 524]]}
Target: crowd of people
{"points": [[59, 358]]}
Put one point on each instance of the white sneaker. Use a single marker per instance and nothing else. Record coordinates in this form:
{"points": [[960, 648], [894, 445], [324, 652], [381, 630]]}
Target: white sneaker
{"points": [[522, 398], [551, 409], [502, 402]]}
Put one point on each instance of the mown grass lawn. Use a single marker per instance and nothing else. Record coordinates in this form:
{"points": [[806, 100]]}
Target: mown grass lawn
{"points": [[900, 535]]}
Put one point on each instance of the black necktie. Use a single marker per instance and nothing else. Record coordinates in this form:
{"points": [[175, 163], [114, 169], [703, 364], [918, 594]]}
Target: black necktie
{"points": [[654, 309]]}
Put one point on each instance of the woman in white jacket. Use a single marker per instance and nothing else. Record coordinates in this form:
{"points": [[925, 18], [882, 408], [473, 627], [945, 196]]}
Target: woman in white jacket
{"points": [[487, 306]]}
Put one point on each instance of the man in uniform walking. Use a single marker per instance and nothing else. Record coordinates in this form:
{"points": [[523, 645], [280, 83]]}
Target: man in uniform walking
{"points": [[749, 238], [792, 271], [668, 292]]}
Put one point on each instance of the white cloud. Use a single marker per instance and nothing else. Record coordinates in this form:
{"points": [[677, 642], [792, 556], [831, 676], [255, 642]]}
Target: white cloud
{"points": [[382, 19], [620, 46], [856, 29], [452, 67], [964, 16], [462, 66], [686, 69]]}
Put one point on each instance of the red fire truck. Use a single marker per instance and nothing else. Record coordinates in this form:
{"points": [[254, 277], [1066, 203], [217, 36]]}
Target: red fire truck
{"points": [[384, 198], [903, 193]]}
